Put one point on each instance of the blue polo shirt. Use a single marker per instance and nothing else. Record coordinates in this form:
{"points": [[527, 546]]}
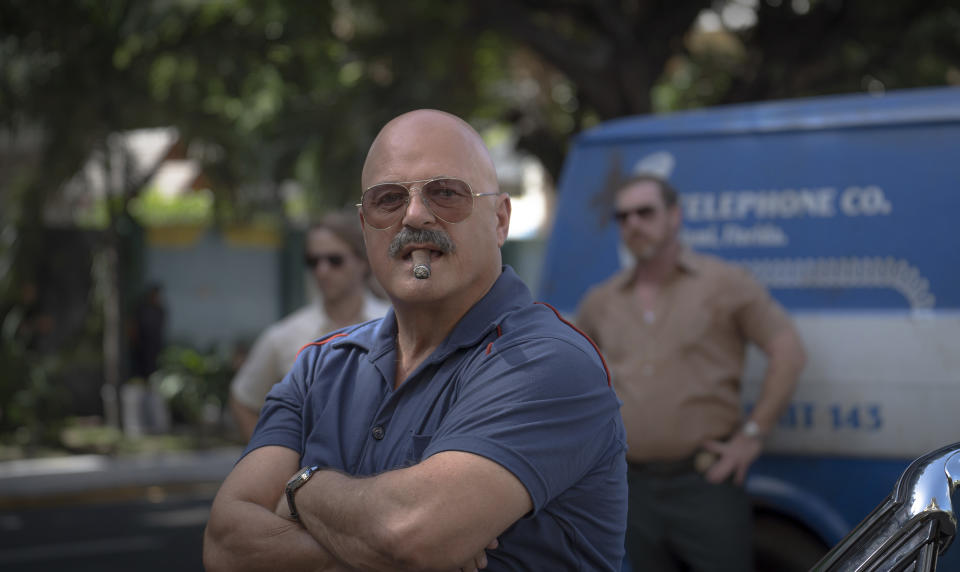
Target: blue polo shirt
{"points": [[512, 382]]}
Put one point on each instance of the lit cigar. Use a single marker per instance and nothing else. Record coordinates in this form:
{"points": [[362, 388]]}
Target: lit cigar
{"points": [[421, 263]]}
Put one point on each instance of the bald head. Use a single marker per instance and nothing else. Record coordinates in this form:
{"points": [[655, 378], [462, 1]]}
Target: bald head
{"points": [[428, 143], [419, 146]]}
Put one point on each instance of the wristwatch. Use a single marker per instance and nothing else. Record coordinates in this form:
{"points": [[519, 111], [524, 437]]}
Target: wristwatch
{"points": [[298, 480], [752, 429]]}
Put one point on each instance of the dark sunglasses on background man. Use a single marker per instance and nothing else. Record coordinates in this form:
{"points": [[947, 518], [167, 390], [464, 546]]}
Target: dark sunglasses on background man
{"points": [[448, 198], [334, 260], [644, 213]]}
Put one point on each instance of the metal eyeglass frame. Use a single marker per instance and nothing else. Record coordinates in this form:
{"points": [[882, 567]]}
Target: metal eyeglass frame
{"points": [[408, 185]]}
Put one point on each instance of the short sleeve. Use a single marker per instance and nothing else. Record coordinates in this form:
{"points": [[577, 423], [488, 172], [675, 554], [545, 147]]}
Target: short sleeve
{"points": [[542, 409], [281, 418], [759, 315]]}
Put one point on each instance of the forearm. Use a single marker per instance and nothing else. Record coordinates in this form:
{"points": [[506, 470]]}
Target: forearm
{"points": [[358, 523], [428, 517], [243, 536], [785, 361], [244, 532]]}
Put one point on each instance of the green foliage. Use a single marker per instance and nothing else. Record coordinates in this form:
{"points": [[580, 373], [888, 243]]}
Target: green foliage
{"points": [[152, 208], [32, 406], [266, 92], [90, 438], [195, 384], [35, 396]]}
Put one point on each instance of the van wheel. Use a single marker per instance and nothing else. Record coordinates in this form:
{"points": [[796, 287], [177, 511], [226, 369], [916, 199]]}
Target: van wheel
{"points": [[780, 545]]}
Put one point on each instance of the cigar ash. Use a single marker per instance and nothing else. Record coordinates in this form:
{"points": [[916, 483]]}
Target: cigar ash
{"points": [[421, 264]]}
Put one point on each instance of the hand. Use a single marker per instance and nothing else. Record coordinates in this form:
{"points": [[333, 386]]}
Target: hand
{"points": [[733, 457], [478, 562]]}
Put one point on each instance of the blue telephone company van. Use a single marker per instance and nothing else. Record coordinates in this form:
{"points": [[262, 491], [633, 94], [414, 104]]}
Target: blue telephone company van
{"points": [[847, 208]]}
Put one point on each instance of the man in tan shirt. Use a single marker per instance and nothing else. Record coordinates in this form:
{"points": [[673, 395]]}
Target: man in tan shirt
{"points": [[674, 329]]}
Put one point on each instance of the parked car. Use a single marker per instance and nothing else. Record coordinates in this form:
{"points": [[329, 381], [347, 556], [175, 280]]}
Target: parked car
{"points": [[912, 527]]}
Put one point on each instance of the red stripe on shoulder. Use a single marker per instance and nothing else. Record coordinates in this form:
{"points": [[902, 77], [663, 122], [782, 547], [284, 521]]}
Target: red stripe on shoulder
{"points": [[490, 345], [320, 342], [579, 331]]}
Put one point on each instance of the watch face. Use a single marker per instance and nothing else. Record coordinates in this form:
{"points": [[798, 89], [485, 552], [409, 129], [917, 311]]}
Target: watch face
{"points": [[295, 483], [302, 477]]}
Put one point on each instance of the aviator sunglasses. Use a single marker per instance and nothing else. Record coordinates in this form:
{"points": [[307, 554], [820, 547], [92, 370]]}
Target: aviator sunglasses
{"points": [[334, 260], [447, 198]]}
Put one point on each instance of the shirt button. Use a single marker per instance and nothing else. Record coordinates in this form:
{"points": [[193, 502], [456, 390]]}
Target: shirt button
{"points": [[378, 432]]}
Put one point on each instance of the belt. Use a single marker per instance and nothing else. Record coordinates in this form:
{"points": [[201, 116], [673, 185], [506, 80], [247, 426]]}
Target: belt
{"points": [[699, 462]]}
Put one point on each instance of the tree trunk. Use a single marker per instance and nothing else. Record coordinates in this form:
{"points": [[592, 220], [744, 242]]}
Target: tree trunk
{"points": [[107, 278]]}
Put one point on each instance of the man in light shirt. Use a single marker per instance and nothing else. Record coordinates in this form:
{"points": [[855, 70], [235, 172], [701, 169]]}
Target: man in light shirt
{"points": [[335, 256]]}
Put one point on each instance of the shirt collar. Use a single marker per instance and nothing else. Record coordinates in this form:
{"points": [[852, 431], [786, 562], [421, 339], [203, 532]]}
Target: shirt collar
{"points": [[507, 294]]}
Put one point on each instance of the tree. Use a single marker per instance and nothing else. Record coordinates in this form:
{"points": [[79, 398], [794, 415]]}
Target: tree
{"points": [[264, 92], [619, 55]]}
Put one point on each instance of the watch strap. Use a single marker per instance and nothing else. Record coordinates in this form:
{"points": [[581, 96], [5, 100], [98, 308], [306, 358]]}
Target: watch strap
{"points": [[294, 484]]}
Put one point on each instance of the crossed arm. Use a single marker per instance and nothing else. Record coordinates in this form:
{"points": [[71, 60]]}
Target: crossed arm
{"points": [[437, 515]]}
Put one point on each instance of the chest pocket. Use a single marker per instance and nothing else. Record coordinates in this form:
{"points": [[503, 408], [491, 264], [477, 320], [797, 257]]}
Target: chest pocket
{"points": [[436, 394], [419, 444]]}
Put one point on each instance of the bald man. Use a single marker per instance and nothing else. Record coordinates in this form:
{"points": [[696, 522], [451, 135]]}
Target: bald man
{"points": [[470, 428]]}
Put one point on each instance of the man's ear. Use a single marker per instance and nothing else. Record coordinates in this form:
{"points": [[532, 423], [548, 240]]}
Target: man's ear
{"points": [[360, 222], [504, 208]]}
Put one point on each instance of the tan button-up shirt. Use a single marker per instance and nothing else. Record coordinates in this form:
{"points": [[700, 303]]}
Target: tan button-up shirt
{"points": [[677, 368]]}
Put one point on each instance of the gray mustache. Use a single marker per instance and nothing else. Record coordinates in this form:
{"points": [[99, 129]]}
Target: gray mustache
{"points": [[407, 236]]}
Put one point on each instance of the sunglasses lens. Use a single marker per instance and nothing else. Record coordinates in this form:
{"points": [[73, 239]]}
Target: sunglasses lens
{"points": [[383, 205], [334, 260], [643, 213], [450, 199]]}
